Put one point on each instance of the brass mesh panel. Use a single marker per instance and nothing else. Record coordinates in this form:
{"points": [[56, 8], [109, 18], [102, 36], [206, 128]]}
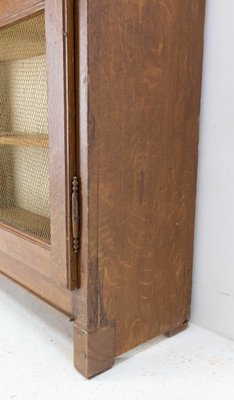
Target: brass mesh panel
{"points": [[24, 177]]}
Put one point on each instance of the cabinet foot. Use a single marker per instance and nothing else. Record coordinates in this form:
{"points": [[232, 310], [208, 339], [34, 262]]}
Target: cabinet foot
{"points": [[94, 352], [179, 329]]}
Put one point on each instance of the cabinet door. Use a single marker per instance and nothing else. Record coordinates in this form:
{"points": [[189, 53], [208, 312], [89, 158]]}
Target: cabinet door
{"points": [[37, 137]]}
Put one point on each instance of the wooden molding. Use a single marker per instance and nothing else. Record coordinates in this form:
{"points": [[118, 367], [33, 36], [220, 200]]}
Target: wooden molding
{"points": [[24, 140], [37, 283], [10, 13]]}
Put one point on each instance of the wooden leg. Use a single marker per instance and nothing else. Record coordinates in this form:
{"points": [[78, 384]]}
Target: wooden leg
{"points": [[94, 352], [179, 329]]}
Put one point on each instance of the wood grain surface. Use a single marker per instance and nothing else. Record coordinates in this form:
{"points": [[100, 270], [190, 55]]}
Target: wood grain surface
{"points": [[95, 352], [37, 283], [23, 140], [140, 74], [28, 250], [137, 91], [13, 10]]}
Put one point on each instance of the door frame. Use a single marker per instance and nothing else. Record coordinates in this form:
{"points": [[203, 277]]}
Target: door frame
{"points": [[56, 261]]}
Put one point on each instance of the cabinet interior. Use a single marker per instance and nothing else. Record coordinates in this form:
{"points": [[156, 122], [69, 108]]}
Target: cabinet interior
{"points": [[24, 161]]}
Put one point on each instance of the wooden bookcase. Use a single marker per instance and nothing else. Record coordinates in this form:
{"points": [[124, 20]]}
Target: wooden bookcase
{"points": [[99, 121]]}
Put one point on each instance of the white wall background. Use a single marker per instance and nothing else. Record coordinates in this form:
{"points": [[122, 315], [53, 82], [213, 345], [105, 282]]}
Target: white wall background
{"points": [[213, 290]]}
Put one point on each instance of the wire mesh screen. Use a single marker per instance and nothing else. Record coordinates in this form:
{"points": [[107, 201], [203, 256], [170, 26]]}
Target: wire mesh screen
{"points": [[24, 176]]}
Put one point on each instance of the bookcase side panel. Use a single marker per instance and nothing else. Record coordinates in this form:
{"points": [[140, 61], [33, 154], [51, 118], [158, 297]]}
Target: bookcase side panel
{"points": [[144, 83]]}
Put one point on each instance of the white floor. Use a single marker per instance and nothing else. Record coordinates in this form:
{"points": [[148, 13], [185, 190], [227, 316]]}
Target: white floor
{"points": [[36, 360]]}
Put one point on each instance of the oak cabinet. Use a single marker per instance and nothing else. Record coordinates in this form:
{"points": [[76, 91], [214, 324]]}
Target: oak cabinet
{"points": [[99, 120]]}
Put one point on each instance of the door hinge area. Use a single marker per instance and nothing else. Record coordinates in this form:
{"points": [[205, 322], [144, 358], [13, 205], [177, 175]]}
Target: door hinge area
{"points": [[75, 214]]}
